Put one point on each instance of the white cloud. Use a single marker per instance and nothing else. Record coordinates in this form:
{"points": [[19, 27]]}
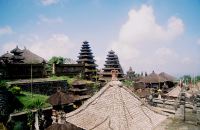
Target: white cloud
{"points": [[142, 40], [198, 41], [6, 30], [55, 45], [187, 60], [46, 20], [49, 2]]}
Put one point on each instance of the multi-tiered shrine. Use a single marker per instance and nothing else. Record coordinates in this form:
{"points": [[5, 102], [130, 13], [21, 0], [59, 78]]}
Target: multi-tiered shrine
{"points": [[111, 63], [86, 57], [17, 55]]}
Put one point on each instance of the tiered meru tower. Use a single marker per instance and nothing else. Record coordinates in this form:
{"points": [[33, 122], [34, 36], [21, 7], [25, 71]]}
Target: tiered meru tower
{"points": [[17, 55], [86, 57], [111, 63]]}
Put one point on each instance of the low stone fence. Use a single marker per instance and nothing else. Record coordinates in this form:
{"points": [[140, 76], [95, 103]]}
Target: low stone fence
{"points": [[170, 104]]}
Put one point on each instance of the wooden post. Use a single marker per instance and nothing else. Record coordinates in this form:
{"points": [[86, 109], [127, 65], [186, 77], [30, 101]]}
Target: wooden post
{"points": [[53, 69], [31, 80]]}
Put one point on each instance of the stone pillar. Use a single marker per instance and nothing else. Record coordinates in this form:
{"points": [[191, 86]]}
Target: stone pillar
{"points": [[198, 108], [53, 69], [180, 113]]}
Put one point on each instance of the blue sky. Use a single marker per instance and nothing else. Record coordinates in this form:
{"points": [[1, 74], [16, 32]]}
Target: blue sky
{"points": [[160, 35]]}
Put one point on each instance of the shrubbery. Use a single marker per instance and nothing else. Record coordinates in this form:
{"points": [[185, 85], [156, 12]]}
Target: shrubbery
{"points": [[15, 90], [3, 84]]}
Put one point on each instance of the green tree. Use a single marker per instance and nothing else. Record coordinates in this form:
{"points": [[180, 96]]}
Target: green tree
{"points": [[197, 78], [186, 78], [56, 60]]}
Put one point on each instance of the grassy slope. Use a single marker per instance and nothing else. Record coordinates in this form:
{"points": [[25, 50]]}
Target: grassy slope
{"points": [[27, 100]]}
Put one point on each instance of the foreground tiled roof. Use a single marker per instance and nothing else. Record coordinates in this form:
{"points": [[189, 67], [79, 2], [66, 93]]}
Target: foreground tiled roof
{"points": [[114, 107]]}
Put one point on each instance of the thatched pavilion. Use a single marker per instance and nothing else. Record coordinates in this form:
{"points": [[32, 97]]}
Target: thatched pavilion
{"points": [[152, 78], [60, 98], [24, 56], [31, 58], [175, 93], [167, 77], [114, 107]]}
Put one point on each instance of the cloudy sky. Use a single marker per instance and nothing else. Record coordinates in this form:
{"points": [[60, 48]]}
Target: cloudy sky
{"points": [[160, 35]]}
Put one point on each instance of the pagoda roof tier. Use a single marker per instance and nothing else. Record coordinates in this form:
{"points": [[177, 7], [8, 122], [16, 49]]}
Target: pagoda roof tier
{"points": [[84, 97], [79, 83], [109, 78], [89, 71], [112, 58], [91, 60], [16, 57], [109, 55], [77, 90], [111, 64], [85, 46], [85, 42], [111, 68], [86, 49], [6, 55], [83, 62], [16, 51], [109, 73], [91, 65], [111, 52], [90, 56], [85, 52]]}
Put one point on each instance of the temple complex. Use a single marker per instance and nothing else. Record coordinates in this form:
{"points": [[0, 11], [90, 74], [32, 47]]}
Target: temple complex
{"points": [[86, 57], [111, 63]]}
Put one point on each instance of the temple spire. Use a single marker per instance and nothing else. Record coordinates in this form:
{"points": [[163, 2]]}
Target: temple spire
{"points": [[86, 57], [111, 63]]}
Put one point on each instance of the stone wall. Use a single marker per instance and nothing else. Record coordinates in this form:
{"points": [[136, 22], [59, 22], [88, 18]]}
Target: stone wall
{"points": [[22, 71], [42, 87], [69, 69]]}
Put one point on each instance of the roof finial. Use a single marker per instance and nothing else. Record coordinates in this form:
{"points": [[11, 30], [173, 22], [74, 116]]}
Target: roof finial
{"points": [[114, 74]]}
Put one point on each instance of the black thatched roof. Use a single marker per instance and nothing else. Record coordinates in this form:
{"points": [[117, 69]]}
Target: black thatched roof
{"points": [[79, 82], [31, 58], [152, 78], [6, 55], [26, 56], [167, 77], [16, 50], [60, 98]]}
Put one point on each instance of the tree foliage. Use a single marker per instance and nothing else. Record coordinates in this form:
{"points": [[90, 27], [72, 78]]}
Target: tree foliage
{"points": [[56, 60]]}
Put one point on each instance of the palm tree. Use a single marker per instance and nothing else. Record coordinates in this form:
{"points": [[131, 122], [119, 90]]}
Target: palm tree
{"points": [[38, 105]]}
